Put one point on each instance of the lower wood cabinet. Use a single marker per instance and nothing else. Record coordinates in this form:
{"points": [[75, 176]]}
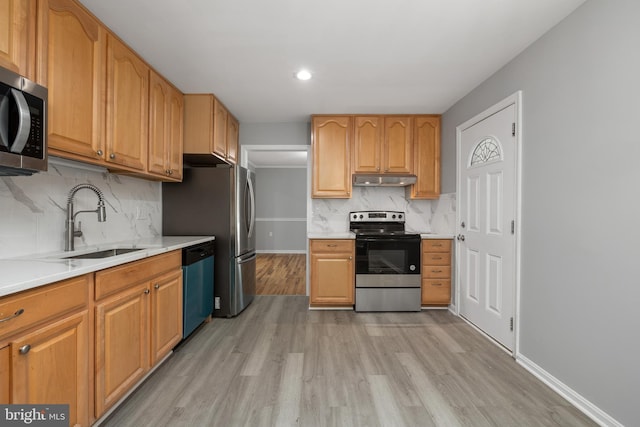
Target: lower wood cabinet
{"points": [[50, 365], [436, 272], [5, 371], [138, 320], [332, 272], [166, 314], [122, 344], [44, 347]]}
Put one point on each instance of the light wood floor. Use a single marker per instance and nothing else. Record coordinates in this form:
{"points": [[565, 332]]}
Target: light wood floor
{"points": [[281, 274], [279, 364]]}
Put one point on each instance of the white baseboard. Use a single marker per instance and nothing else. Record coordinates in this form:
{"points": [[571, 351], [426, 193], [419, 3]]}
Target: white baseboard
{"points": [[577, 400], [281, 251]]}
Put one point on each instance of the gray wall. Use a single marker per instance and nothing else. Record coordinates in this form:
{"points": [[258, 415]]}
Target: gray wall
{"points": [[580, 272], [293, 133], [281, 209]]}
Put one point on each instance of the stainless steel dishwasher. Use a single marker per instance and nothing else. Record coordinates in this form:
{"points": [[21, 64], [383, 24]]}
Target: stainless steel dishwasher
{"points": [[197, 282]]}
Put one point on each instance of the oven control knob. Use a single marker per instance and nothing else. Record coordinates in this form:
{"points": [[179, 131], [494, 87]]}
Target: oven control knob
{"points": [[412, 267], [393, 216], [355, 216], [400, 216], [361, 216]]}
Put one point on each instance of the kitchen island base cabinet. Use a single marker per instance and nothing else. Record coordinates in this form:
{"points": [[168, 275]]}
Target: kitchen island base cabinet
{"points": [[436, 272], [332, 273]]}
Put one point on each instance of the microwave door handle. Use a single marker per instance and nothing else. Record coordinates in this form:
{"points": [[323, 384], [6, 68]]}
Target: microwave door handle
{"points": [[24, 122], [4, 121]]}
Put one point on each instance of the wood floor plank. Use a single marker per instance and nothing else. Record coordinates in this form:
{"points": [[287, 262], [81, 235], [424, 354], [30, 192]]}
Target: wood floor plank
{"points": [[281, 274], [279, 364]]}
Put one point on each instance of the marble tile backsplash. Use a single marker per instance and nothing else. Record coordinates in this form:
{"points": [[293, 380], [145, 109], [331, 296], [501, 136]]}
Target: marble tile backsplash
{"points": [[437, 216], [33, 209]]}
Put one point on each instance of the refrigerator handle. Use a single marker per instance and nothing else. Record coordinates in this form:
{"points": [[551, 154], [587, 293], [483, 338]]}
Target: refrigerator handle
{"points": [[252, 208]]}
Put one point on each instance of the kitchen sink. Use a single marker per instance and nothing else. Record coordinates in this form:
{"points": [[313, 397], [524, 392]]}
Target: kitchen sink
{"points": [[104, 253]]}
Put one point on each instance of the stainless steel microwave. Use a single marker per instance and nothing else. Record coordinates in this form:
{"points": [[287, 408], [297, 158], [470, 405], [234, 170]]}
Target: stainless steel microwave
{"points": [[23, 125]]}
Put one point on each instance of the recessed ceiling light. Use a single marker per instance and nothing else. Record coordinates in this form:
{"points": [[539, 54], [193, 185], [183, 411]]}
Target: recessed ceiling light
{"points": [[303, 75]]}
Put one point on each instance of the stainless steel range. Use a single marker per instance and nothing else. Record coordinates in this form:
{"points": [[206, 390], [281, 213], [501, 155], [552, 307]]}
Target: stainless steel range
{"points": [[387, 262]]}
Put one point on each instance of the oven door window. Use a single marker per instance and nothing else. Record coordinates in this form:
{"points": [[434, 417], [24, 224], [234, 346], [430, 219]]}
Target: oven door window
{"points": [[387, 257]]}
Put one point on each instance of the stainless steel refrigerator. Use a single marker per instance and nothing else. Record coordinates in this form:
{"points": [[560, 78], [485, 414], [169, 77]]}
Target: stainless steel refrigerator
{"points": [[218, 201]]}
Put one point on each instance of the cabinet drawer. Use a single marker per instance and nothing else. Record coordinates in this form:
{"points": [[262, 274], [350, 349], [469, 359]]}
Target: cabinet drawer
{"points": [[322, 245], [436, 245], [42, 304], [436, 272], [436, 291], [436, 258], [121, 277]]}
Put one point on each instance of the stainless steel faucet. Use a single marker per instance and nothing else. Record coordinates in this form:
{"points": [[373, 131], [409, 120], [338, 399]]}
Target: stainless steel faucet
{"points": [[70, 231]]}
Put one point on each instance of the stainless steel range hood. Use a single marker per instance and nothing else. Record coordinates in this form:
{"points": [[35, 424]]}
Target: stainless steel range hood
{"points": [[383, 180]]}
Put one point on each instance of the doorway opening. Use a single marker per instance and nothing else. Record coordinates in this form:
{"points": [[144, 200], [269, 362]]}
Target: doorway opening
{"points": [[281, 216]]}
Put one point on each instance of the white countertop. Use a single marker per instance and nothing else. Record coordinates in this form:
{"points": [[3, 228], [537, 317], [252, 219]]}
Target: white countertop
{"points": [[26, 272], [351, 235], [332, 235], [436, 236]]}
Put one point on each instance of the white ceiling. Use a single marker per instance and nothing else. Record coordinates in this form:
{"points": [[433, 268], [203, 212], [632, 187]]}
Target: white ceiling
{"points": [[367, 56]]}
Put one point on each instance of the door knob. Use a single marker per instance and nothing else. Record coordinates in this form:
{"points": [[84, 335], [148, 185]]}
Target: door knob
{"points": [[461, 237]]}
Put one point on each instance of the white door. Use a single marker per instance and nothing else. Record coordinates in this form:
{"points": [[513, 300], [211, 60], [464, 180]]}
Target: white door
{"points": [[487, 209]]}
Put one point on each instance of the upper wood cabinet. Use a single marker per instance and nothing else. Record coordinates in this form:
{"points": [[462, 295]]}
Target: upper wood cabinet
{"points": [[127, 121], [100, 93], [17, 36], [426, 157], [331, 147], [367, 144], [72, 50], [391, 144], [209, 128], [233, 134], [165, 129], [397, 148]]}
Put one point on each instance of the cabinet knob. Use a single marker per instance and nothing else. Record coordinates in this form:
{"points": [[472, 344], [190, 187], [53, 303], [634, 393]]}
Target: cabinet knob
{"points": [[112, 156], [170, 171], [157, 286], [146, 291], [25, 349], [100, 153], [350, 257], [167, 171]]}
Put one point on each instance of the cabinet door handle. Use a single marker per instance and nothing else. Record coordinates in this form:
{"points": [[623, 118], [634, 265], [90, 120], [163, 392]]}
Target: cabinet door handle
{"points": [[332, 246], [157, 286], [25, 349], [146, 291], [437, 257], [112, 156], [350, 257], [437, 245], [99, 153], [436, 271], [13, 316], [436, 284]]}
